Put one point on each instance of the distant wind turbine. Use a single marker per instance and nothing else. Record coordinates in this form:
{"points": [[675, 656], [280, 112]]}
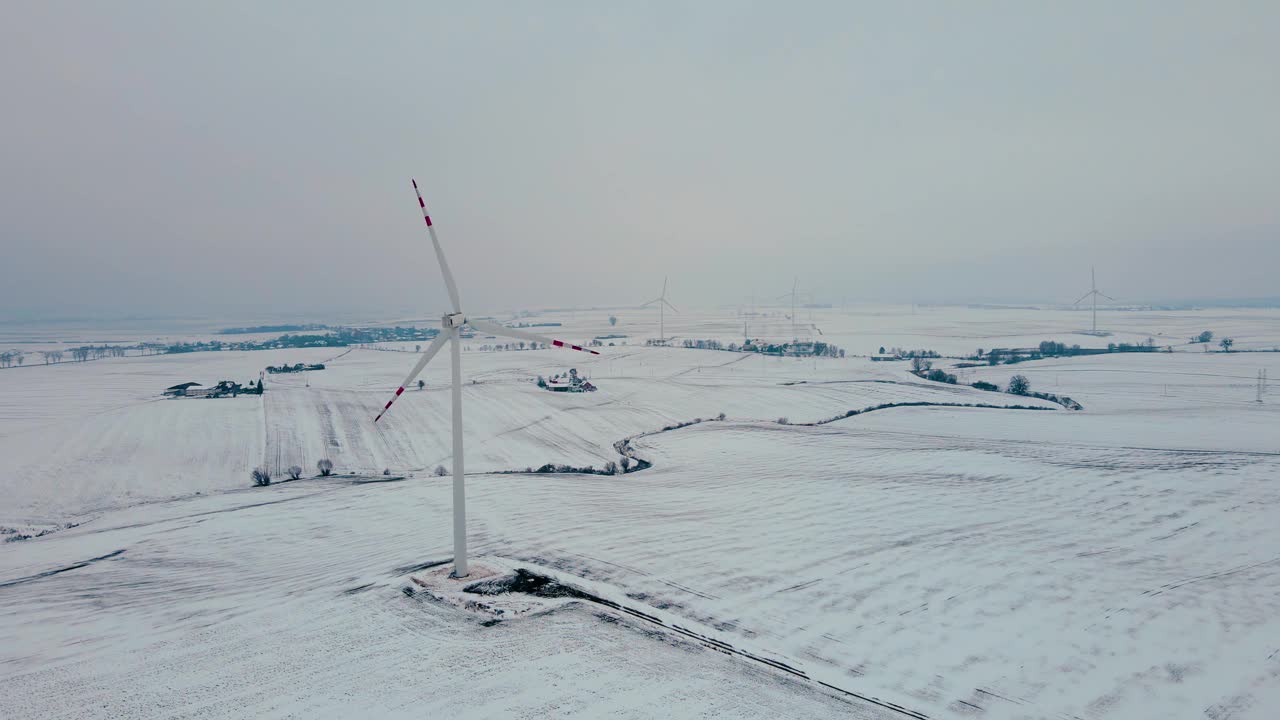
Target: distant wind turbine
{"points": [[451, 329], [662, 303], [795, 286], [1093, 293]]}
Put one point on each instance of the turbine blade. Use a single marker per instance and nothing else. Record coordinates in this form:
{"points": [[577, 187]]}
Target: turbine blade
{"points": [[444, 264], [664, 286], [427, 354], [1107, 297], [1082, 297], [815, 327], [673, 307], [497, 329], [652, 302]]}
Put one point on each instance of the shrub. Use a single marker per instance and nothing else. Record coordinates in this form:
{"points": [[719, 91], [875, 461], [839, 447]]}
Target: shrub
{"points": [[325, 466], [439, 471], [611, 468], [295, 472], [984, 385], [783, 421], [720, 416], [1019, 385], [386, 471], [940, 376], [626, 463], [261, 476]]}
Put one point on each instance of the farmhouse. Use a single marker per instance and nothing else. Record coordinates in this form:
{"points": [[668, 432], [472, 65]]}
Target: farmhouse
{"points": [[180, 390]]}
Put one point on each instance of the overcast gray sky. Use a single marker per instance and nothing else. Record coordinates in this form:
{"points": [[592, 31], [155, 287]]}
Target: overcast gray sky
{"points": [[201, 158]]}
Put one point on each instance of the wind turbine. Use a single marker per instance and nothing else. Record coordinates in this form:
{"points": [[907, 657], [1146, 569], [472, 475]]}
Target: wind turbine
{"points": [[661, 300], [451, 329], [795, 286], [1093, 292]]}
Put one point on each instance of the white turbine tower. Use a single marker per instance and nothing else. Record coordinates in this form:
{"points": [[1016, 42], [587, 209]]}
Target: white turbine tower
{"points": [[661, 300], [451, 329], [1093, 293], [795, 286]]}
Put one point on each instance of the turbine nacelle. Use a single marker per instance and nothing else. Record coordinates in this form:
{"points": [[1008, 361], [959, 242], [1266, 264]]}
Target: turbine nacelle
{"points": [[453, 320]]}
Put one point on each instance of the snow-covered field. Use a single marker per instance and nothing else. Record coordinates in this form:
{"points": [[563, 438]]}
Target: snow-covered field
{"points": [[1118, 562]]}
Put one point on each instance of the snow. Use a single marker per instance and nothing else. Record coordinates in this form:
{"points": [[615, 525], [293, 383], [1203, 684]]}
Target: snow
{"points": [[1119, 561]]}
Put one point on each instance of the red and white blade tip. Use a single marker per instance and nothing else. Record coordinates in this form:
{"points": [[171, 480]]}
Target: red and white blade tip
{"points": [[421, 204], [387, 407], [560, 343]]}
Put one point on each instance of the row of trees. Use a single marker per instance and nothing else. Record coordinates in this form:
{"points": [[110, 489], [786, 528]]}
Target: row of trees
{"points": [[261, 476], [79, 354], [912, 354]]}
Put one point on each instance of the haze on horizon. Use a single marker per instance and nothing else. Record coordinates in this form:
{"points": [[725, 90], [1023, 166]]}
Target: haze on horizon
{"points": [[243, 158]]}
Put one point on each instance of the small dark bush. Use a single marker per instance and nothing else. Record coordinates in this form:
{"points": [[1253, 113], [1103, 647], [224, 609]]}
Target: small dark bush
{"points": [[325, 466], [261, 476]]}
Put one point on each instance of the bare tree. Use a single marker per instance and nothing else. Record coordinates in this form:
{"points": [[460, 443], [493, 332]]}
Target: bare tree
{"points": [[440, 471], [295, 472], [261, 476], [920, 365], [626, 463], [611, 468], [325, 466], [1019, 385], [1226, 344]]}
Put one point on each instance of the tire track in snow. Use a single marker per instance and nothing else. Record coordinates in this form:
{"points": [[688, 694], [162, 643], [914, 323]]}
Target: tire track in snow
{"points": [[58, 571]]}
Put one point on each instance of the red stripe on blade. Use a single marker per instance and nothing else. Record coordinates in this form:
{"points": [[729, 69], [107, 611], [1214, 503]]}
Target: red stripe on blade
{"points": [[399, 391], [428, 219], [557, 343]]}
